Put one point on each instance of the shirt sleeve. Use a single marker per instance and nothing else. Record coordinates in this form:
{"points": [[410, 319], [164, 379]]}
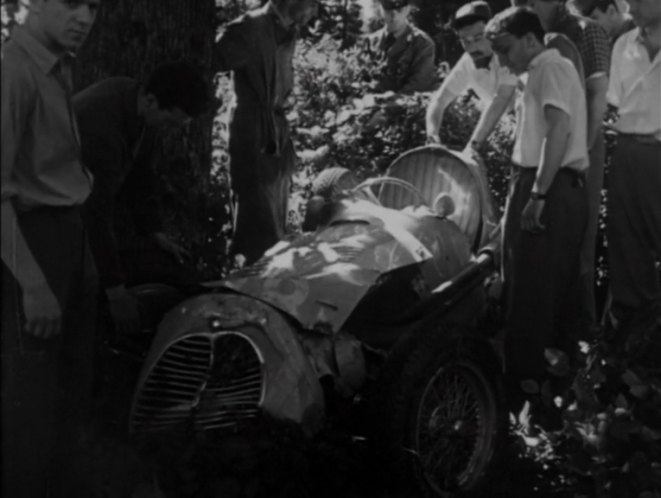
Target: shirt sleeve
{"points": [[567, 49], [458, 81], [233, 45], [142, 189], [103, 157], [17, 106], [595, 50], [553, 83], [614, 93], [423, 70]]}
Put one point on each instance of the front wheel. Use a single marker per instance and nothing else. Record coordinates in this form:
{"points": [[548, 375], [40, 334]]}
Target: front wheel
{"points": [[442, 417]]}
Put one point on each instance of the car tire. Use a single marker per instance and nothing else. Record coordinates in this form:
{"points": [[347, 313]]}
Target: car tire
{"points": [[440, 386]]}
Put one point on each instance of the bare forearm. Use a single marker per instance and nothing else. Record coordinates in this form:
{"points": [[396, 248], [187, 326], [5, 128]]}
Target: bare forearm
{"points": [[553, 150], [16, 254], [490, 117], [435, 111], [595, 91]]}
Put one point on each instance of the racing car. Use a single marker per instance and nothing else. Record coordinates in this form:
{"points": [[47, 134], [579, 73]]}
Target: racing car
{"points": [[380, 303]]}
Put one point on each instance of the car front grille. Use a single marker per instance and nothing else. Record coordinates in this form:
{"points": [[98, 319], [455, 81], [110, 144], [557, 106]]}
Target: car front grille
{"points": [[204, 381]]}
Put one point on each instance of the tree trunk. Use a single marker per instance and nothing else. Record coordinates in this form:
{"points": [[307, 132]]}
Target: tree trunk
{"points": [[132, 37]]}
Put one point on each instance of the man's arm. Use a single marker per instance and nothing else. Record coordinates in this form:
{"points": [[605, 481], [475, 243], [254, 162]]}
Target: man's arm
{"points": [[232, 46], [42, 311], [595, 90], [423, 70], [553, 150], [491, 115], [104, 156], [596, 65], [455, 83]]}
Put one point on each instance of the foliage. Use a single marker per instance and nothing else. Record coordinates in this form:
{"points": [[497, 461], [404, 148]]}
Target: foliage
{"points": [[609, 444]]}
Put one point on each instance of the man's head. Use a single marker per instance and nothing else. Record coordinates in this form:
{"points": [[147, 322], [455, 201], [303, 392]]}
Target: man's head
{"points": [[395, 14], [298, 12], [516, 36], [645, 13], [175, 93], [605, 12], [62, 25], [469, 23], [547, 10]]}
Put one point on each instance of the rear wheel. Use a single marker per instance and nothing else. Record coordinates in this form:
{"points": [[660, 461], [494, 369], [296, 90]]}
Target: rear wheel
{"points": [[440, 415]]}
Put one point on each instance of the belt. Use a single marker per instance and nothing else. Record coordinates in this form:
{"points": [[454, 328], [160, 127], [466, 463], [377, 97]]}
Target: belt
{"points": [[646, 139], [577, 176]]}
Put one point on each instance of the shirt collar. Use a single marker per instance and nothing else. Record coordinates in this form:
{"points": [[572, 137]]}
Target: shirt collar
{"points": [[43, 58], [544, 55]]}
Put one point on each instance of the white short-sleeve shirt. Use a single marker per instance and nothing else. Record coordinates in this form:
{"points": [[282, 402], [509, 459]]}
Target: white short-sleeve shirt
{"points": [[635, 86], [551, 80], [483, 81]]}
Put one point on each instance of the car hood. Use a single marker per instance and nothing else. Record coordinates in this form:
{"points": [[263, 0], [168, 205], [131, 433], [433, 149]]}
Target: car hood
{"points": [[319, 278]]}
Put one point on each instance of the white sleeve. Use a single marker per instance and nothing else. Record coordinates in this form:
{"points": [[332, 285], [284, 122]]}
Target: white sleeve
{"points": [[613, 96], [553, 84], [458, 81]]}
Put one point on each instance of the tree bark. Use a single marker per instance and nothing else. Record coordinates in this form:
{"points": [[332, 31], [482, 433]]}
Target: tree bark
{"points": [[132, 37]]}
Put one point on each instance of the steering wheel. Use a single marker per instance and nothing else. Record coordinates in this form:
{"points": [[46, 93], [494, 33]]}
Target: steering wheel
{"points": [[391, 180]]}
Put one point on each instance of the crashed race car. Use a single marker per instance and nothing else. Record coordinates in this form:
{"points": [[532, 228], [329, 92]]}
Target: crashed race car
{"points": [[381, 304]]}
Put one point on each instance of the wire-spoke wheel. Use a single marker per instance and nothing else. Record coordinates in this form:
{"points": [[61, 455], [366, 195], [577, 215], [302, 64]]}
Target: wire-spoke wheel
{"points": [[456, 420], [439, 414]]}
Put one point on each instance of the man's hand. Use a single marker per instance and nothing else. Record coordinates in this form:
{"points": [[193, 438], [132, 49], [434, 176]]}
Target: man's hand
{"points": [[531, 216], [42, 312], [172, 248], [123, 310]]}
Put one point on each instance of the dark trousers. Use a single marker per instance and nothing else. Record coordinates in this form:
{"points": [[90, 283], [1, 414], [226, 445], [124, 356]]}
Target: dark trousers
{"points": [[594, 186], [634, 223], [261, 205], [541, 272], [46, 383]]}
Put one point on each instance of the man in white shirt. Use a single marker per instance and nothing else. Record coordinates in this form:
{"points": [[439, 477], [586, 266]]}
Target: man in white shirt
{"points": [[634, 193], [477, 70], [546, 210]]}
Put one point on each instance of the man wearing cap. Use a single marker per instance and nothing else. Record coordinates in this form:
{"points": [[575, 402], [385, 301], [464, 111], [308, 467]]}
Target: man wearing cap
{"points": [[546, 207], [634, 190], [608, 14], [477, 70], [405, 52], [594, 47]]}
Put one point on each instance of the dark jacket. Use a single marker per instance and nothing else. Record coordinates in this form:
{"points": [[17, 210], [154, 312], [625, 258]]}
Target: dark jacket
{"points": [[118, 149], [408, 61]]}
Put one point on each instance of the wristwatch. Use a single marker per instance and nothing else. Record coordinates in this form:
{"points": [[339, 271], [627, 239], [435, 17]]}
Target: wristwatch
{"points": [[538, 196]]}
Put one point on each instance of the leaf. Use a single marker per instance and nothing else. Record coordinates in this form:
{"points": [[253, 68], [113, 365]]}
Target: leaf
{"points": [[530, 386], [631, 379], [621, 402], [640, 391], [558, 361]]}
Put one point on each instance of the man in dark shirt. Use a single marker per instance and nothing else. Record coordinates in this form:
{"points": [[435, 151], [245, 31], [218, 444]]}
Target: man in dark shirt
{"points": [[119, 122], [608, 14], [406, 52], [594, 48], [259, 48]]}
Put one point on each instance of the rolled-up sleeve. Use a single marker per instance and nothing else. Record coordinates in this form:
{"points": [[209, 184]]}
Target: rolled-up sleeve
{"points": [[17, 105]]}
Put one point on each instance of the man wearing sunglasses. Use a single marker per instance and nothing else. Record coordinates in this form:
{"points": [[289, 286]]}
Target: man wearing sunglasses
{"points": [[477, 70]]}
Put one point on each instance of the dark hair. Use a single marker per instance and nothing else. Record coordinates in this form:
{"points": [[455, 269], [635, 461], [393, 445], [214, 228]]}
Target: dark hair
{"points": [[179, 84], [515, 21], [587, 7]]}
